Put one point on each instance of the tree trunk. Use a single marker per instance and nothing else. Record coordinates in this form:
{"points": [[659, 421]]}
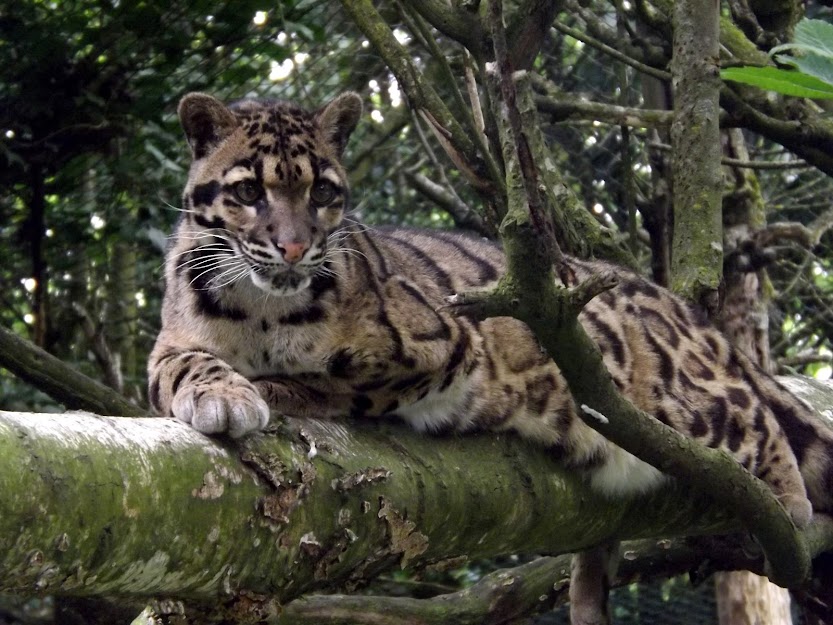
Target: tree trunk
{"points": [[696, 259], [122, 312], [744, 598]]}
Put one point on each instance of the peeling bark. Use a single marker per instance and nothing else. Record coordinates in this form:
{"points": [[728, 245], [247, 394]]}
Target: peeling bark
{"points": [[147, 507]]}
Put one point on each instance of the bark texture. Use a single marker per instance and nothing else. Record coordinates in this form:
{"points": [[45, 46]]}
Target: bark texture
{"points": [[102, 506], [747, 599], [695, 139]]}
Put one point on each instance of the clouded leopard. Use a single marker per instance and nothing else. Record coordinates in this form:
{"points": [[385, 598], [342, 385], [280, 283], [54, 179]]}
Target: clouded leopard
{"points": [[274, 300]]}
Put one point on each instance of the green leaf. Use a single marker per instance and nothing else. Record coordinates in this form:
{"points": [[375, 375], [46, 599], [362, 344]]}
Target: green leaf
{"points": [[783, 81], [813, 36], [811, 64]]}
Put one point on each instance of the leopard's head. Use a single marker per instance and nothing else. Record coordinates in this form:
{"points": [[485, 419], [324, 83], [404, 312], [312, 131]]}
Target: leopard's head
{"points": [[266, 186]]}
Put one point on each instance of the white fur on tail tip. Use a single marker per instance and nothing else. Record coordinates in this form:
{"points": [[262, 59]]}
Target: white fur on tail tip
{"points": [[624, 474]]}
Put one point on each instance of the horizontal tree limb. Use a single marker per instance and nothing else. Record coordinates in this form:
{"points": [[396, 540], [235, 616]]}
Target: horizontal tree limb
{"points": [[105, 505]]}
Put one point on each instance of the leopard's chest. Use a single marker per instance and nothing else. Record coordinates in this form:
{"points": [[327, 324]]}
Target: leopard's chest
{"points": [[270, 348]]}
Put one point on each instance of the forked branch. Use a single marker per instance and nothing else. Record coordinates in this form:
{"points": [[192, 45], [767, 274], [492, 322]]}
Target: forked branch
{"points": [[529, 292]]}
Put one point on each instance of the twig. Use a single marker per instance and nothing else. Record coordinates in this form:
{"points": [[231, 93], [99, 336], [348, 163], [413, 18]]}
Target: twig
{"points": [[821, 224], [451, 82], [445, 195], [449, 201], [474, 98], [610, 51], [785, 231], [736, 162], [804, 358], [454, 139]]}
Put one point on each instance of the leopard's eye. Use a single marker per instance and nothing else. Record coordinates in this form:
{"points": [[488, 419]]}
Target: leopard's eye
{"points": [[247, 191], [323, 192]]}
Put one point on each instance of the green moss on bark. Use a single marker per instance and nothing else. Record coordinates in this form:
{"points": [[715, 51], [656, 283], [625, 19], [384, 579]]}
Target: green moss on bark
{"points": [[147, 507]]}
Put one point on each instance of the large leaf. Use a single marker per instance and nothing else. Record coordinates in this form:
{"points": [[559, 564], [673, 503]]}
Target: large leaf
{"points": [[820, 67], [783, 81], [813, 36]]}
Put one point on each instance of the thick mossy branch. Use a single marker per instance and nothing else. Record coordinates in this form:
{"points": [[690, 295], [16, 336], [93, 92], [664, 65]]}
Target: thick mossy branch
{"points": [[61, 382], [87, 504], [551, 314]]}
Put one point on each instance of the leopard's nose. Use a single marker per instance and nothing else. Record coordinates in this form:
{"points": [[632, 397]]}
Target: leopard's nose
{"points": [[292, 251]]}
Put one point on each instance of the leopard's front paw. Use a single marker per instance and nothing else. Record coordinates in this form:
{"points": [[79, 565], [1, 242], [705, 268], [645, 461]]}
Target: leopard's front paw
{"points": [[232, 406]]}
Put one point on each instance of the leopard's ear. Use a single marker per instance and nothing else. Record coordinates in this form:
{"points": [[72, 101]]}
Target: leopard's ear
{"points": [[206, 122], [338, 119]]}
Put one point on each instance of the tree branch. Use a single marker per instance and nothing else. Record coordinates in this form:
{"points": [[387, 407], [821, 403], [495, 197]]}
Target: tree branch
{"points": [[803, 132], [804, 358], [264, 517], [475, 132], [60, 381], [460, 23], [560, 106], [611, 51], [526, 187], [464, 216], [577, 232], [523, 591], [529, 24], [744, 163], [508, 595], [104, 357]]}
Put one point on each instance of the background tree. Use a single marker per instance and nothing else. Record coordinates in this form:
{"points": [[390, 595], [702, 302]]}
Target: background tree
{"points": [[94, 158]]}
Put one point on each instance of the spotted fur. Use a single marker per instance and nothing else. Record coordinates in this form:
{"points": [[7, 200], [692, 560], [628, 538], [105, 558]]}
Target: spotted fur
{"points": [[275, 300]]}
